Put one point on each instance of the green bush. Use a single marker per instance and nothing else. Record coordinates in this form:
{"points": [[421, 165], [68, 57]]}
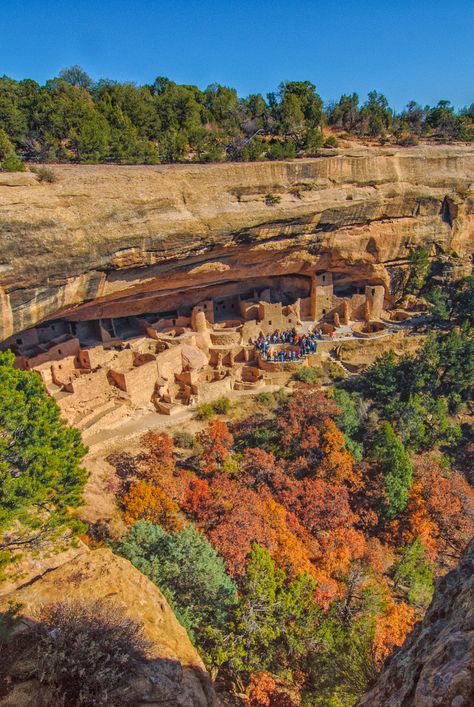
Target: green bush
{"points": [[254, 150], [282, 151], [306, 374], [205, 411], [266, 399], [221, 405], [393, 461], [419, 260], [44, 174], [188, 571], [331, 141], [314, 139], [184, 440], [272, 199], [334, 371], [9, 161], [414, 572]]}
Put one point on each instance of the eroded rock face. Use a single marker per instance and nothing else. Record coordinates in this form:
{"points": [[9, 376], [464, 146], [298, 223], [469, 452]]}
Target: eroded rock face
{"points": [[172, 675], [435, 666], [106, 241]]}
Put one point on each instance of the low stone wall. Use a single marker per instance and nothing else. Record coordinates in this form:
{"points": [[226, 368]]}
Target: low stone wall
{"points": [[367, 330], [140, 383], [88, 387], [398, 315], [225, 338], [208, 392], [287, 366]]}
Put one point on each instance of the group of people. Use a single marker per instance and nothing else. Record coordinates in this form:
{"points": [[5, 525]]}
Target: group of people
{"points": [[304, 344]]}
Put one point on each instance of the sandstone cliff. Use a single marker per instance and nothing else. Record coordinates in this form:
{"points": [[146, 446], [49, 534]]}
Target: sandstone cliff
{"points": [[435, 666], [171, 676], [109, 240]]}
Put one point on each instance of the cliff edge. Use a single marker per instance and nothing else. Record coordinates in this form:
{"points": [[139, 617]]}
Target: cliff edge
{"points": [[172, 675]]}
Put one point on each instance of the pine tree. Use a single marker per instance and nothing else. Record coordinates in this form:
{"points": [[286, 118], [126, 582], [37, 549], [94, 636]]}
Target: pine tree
{"points": [[389, 453], [188, 571], [9, 162], [40, 473]]}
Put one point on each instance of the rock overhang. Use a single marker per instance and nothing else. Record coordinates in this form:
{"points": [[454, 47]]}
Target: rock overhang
{"points": [[102, 239]]}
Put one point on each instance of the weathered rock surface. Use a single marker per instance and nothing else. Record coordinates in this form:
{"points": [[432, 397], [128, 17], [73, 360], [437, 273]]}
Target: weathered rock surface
{"points": [[435, 665], [111, 240], [171, 676]]}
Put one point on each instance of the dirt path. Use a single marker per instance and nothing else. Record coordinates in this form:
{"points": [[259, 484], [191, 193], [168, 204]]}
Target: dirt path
{"points": [[142, 421]]}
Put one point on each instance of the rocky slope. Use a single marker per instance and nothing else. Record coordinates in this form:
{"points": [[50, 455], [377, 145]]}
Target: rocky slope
{"points": [[110, 240], [435, 666], [172, 675]]}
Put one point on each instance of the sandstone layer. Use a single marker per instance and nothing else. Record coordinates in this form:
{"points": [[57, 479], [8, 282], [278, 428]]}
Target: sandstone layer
{"points": [[435, 666], [172, 675], [107, 241]]}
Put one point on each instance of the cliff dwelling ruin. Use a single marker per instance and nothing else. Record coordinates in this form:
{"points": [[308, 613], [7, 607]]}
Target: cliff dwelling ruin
{"points": [[158, 294], [195, 353]]}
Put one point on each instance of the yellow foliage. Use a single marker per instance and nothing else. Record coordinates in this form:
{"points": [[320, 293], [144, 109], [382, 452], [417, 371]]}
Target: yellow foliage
{"points": [[146, 501]]}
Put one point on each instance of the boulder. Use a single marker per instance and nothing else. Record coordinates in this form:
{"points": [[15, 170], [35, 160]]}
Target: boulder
{"points": [[193, 358], [171, 675]]}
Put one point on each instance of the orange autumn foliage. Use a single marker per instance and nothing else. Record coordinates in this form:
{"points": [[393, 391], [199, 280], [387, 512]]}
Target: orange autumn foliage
{"points": [[339, 548], [198, 500], [449, 500], [319, 506], [260, 689], [144, 501], [300, 426], [265, 690], [216, 442], [284, 546], [392, 628], [440, 510], [416, 522], [158, 461], [160, 448], [377, 556], [235, 516], [259, 468], [337, 463]]}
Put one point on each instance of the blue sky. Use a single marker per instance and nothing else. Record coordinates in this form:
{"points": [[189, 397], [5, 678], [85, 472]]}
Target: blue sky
{"points": [[408, 49]]}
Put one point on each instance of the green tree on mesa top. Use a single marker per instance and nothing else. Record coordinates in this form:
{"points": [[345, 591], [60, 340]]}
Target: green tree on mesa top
{"points": [[9, 162], [73, 118], [40, 455]]}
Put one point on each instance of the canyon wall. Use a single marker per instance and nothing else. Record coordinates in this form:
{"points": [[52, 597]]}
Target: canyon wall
{"points": [[435, 665], [107, 241]]}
